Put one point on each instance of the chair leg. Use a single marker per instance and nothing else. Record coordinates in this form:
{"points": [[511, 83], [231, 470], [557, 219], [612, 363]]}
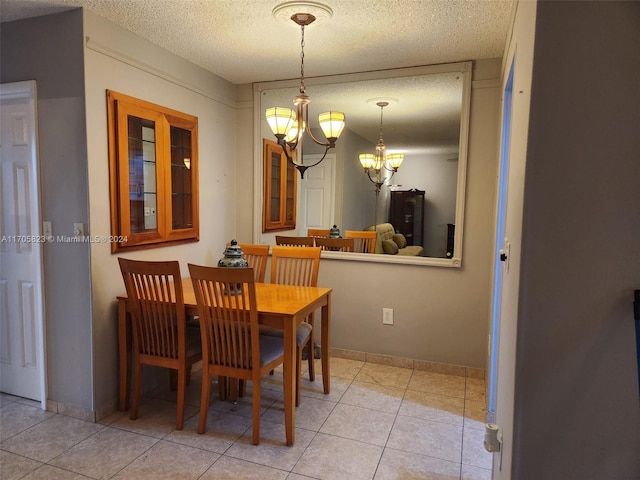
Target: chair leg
{"points": [[298, 373], [173, 380], [137, 387], [233, 390], [182, 387], [242, 388], [204, 399], [311, 346], [256, 410], [222, 388]]}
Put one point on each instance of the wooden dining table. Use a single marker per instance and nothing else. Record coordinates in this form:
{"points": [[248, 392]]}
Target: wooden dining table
{"points": [[280, 306]]}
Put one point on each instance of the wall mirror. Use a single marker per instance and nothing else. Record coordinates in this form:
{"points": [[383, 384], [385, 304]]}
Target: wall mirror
{"points": [[427, 120]]}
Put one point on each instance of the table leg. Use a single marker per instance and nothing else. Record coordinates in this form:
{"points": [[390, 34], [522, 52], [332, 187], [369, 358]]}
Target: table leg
{"points": [[289, 380], [325, 347], [125, 360]]}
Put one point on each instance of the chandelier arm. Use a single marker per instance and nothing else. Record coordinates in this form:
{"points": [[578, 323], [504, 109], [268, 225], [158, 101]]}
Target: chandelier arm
{"points": [[302, 167], [303, 111], [328, 144]]}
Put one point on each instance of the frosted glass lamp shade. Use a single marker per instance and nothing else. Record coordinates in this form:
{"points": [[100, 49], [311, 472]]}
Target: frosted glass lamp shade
{"points": [[367, 160], [332, 124], [395, 160], [280, 119]]}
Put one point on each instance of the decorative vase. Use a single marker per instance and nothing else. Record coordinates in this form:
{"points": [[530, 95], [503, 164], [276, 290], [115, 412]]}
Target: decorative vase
{"points": [[233, 256]]}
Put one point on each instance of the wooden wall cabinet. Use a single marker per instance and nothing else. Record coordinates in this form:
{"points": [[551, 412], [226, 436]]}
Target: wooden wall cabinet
{"points": [[280, 190], [153, 174], [406, 214]]}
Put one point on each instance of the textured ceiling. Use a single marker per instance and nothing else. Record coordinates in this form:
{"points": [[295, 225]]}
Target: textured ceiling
{"points": [[241, 41]]}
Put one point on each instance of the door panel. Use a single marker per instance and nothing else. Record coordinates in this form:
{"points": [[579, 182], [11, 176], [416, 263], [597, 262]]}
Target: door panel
{"points": [[316, 196], [21, 298]]}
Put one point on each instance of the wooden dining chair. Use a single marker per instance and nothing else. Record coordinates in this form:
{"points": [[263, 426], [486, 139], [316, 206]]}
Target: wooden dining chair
{"points": [[294, 241], [232, 345], [257, 257], [335, 244], [160, 335], [365, 241], [318, 232], [297, 266]]}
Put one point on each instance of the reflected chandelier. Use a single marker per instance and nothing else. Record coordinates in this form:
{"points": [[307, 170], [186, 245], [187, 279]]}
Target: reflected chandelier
{"points": [[374, 163], [289, 125]]}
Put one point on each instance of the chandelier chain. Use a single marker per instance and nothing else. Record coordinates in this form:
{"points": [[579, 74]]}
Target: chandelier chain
{"points": [[302, 86]]}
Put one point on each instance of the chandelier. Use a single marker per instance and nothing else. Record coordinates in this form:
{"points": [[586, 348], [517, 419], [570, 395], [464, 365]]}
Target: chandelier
{"points": [[289, 125], [374, 164]]}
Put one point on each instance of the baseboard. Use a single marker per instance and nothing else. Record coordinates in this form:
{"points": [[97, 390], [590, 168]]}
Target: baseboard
{"points": [[71, 411], [402, 362]]}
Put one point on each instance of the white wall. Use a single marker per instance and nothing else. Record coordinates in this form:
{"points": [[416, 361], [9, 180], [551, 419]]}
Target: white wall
{"points": [[118, 60]]}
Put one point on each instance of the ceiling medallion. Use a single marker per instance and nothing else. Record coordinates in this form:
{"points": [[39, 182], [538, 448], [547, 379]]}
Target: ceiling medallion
{"points": [[285, 11]]}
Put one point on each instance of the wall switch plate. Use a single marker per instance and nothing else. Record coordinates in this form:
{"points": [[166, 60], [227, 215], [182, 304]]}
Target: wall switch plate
{"points": [[78, 229], [387, 316], [47, 229]]}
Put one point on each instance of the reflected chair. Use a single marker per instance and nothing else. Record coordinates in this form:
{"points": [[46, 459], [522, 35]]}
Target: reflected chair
{"points": [[232, 345], [318, 232], [297, 266], [160, 335], [294, 241], [257, 257], [365, 241], [335, 244]]}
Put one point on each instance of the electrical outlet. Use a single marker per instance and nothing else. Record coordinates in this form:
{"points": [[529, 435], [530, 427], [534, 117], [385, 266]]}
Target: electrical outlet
{"points": [[387, 316]]}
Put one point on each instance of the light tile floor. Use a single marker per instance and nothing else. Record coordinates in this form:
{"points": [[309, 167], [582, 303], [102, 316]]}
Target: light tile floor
{"points": [[379, 422]]}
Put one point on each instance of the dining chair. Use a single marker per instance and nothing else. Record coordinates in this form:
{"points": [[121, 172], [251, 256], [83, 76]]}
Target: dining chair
{"points": [[232, 345], [335, 244], [297, 266], [160, 335], [365, 241], [318, 232], [294, 241], [257, 257]]}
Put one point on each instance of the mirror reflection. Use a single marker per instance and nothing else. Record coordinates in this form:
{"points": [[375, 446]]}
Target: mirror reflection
{"points": [[420, 206]]}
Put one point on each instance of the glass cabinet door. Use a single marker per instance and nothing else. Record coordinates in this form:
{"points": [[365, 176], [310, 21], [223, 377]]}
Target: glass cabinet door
{"points": [[142, 175], [181, 194], [279, 205]]}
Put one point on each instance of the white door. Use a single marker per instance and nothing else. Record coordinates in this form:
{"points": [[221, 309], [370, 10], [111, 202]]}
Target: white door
{"points": [[317, 194], [21, 297]]}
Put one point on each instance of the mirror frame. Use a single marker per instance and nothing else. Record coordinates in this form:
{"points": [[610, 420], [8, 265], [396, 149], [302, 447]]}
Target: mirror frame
{"points": [[464, 68]]}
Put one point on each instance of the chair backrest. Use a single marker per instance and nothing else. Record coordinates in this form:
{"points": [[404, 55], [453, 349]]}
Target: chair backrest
{"points": [[335, 244], [365, 242], [318, 232], [294, 241], [228, 312], [257, 257], [154, 293], [295, 265]]}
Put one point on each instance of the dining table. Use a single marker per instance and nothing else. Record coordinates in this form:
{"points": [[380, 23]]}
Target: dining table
{"points": [[279, 306]]}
